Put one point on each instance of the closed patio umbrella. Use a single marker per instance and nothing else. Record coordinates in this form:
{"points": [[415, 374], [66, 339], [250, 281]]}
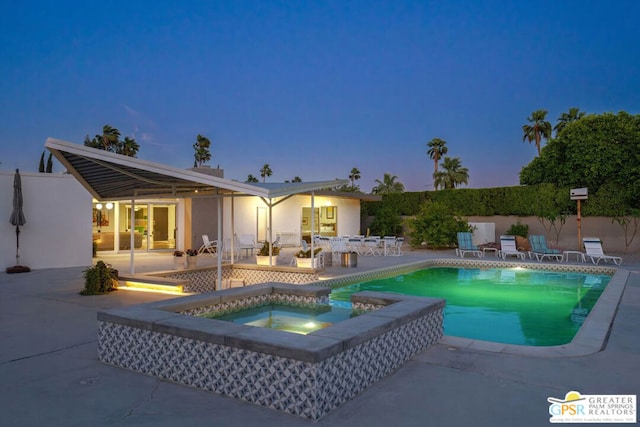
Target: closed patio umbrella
{"points": [[17, 219]]}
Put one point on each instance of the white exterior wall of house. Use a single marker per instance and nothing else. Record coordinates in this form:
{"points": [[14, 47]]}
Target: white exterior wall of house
{"points": [[58, 229], [287, 215]]}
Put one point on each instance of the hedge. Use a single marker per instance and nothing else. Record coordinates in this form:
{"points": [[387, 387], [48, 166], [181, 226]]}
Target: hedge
{"points": [[529, 200]]}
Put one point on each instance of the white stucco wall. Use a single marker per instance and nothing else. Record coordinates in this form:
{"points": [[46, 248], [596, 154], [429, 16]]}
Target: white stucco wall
{"points": [[58, 229]]}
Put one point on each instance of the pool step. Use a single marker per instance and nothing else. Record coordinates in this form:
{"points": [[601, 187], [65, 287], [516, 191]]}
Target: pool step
{"points": [[141, 282]]}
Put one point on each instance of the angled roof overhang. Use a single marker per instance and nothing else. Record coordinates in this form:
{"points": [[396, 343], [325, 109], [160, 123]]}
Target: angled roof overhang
{"points": [[109, 176]]}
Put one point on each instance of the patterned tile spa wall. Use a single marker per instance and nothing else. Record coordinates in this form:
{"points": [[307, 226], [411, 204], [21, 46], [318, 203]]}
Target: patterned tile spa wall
{"points": [[304, 375]]}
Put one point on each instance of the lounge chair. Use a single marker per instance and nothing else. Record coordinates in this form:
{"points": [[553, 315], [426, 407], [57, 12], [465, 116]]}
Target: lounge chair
{"points": [[465, 244], [208, 246], [593, 247], [540, 250], [508, 247]]}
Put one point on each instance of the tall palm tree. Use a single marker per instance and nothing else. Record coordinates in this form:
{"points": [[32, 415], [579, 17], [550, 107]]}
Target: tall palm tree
{"points": [[201, 147], [566, 118], [109, 139], [452, 174], [129, 147], [388, 185], [437, 149], [538, 129], [265, 172], [354, 175]]}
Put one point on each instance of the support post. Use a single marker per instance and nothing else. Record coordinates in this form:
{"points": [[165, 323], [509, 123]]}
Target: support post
{"points": [[220, 240], [132, 236], [579, 219]]}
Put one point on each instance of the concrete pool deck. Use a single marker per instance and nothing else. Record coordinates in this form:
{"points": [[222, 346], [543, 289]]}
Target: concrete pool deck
{"points": [[50, 373]]}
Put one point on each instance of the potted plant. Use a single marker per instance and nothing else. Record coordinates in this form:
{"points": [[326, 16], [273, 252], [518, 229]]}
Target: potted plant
{"points": [[191, 258], [262, 256], [304, 259], [178, 260]]}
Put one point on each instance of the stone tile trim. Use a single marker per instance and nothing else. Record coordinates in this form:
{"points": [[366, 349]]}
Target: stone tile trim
{"points": [[308, 376], [456, 262], [201, 280]]}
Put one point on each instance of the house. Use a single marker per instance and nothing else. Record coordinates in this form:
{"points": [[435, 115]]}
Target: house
{"points": [[121, 202]]}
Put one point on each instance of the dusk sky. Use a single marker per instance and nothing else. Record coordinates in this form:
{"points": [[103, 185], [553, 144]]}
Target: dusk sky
{"points": [[313, 88]]}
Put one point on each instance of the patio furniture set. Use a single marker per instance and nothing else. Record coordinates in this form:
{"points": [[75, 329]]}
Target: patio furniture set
{"points": [[362, 245]]}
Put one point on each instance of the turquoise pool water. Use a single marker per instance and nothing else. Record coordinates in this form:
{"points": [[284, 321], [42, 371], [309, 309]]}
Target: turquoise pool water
{"points": [[300, 320], [512, 306]]}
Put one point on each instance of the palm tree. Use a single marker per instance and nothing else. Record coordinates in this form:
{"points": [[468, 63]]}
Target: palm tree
{"points": [[354, 175], [296, 179], [265, 172], [129, 147], [566, 118], [110, 138], [452, 174], [201, 147], [538, 129], [437, 149], [252, 178], [388, 185]]}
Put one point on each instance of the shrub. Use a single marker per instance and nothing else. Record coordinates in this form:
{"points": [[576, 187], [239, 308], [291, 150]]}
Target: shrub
{"points": [[99, 279], [307, 253], [387, 222], [436, 226], [518, 229], [264, 250]]}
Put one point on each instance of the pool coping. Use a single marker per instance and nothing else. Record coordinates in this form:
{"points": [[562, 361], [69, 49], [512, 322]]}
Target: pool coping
{"points": [[591, 338]]}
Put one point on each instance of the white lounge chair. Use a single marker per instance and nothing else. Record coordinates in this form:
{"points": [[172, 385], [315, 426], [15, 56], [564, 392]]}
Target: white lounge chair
{"points": [[508, 248], [208, 246], [593, 247]]}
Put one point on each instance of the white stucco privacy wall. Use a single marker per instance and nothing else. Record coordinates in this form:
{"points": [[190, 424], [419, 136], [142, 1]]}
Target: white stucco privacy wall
{"points": [[58, 229]]}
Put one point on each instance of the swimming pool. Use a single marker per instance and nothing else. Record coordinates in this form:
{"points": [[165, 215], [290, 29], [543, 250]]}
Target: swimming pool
{"points": [[506, 305]]}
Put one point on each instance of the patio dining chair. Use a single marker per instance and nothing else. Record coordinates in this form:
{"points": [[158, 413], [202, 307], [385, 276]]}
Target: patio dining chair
{"points": [[371, 246]]}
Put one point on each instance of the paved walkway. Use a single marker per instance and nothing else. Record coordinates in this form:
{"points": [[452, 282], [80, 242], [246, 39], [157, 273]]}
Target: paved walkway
{"points": [[50, 374]]}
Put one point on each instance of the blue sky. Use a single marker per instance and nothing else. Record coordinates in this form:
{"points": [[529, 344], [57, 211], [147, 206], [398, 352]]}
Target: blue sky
{"points": [[314, 88]]}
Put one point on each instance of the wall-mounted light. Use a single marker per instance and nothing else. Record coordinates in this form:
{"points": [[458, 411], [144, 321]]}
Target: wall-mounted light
{"points": [[99, 206], [109, 205]]}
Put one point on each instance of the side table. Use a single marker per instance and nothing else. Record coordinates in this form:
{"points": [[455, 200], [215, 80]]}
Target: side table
{"points": [[579, 255]]}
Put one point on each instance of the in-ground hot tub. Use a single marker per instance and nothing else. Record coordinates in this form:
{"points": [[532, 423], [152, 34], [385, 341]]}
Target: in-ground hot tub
{"points": [[305, 375]]}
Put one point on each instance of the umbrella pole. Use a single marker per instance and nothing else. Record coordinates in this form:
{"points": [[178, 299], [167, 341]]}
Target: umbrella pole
{"points": [[17, 245]]}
